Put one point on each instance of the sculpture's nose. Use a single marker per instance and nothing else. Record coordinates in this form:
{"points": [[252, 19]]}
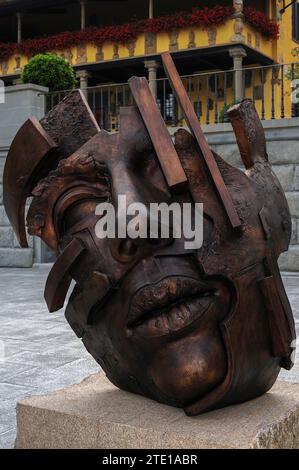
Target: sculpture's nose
{"points": [[134, 235]]}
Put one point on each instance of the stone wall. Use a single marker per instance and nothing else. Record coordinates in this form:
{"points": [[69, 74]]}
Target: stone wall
{"points": [[21, 102]]}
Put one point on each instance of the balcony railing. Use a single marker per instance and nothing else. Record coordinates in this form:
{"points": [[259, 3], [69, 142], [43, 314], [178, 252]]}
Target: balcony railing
{"points": [[271, 88]]}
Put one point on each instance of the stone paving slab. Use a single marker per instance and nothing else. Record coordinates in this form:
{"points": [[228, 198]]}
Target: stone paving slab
{"points": [[42, 353]]}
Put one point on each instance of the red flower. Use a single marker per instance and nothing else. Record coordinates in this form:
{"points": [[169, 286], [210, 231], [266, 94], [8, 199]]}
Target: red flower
{"points": [[261, 22], [202, 18], [210, 16]]}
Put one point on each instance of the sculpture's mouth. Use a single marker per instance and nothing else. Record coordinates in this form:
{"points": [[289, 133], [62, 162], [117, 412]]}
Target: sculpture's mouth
{"points": [[169, 307]]}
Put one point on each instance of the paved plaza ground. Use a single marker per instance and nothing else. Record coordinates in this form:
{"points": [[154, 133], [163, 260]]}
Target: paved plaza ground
{"points": [[41, 352]]}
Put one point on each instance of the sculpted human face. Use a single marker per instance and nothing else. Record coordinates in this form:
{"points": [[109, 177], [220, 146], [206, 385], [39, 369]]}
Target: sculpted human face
{"points": [[199, 328], [156, 329]]}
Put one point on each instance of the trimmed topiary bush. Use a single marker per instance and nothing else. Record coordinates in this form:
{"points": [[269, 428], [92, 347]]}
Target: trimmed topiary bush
{"points": [[50, 70]]}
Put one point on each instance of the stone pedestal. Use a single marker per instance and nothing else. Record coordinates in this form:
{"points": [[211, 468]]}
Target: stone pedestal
{"points": [[96, 415]]}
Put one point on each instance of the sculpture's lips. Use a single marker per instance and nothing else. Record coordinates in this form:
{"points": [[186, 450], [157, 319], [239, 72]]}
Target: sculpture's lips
{"points": [[169, 306]]}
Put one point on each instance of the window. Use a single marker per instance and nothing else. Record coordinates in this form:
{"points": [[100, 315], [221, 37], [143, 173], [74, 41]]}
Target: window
{"points": [[296, 21]]}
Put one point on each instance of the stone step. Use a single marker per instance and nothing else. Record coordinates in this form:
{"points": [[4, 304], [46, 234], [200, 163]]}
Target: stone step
{"points": [[16, 258]]}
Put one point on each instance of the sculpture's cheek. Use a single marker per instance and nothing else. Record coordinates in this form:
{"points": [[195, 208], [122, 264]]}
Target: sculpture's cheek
{"points": [[188, 369]]}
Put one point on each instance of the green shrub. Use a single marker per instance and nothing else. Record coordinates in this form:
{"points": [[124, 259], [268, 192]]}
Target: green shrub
{"points": [[49, 70]]}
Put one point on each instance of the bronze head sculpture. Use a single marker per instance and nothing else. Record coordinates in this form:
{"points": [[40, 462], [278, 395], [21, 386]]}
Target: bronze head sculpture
{"points": [[198, 329]]}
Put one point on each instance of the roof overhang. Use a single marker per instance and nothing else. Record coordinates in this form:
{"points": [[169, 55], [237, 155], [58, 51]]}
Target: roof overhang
{"points": [[188, 61], [204, 58], [8, 7]]}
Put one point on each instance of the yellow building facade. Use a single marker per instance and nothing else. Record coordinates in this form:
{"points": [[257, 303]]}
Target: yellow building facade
{"points": [[222, 63]]}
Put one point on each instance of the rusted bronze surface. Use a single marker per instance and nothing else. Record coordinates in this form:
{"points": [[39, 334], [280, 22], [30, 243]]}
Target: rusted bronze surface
{"points": [[160, 137], [196, 329], [193, 123], [32, 151], [37, 149]]}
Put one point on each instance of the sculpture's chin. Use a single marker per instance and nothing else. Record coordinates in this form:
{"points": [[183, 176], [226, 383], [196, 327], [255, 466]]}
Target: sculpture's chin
{"points": [[186, 370]]}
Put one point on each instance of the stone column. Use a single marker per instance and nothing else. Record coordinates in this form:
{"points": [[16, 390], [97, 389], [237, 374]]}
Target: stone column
{"points": [[152, 66], [83, 76], [278, 8], [239, 22], [83, 14], [238, 53], [19, 27], [238, 6], [151, 9]]}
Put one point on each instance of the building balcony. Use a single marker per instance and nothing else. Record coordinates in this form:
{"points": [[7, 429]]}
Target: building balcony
{"points": [[198, 47]]}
